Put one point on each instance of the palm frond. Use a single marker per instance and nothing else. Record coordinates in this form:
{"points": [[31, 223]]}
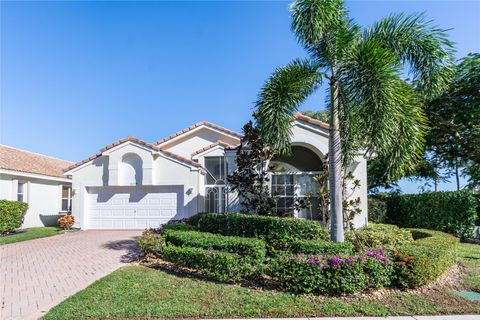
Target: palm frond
{"points": [[425, 47], [313, 20], [279, 98], [381, 111]]}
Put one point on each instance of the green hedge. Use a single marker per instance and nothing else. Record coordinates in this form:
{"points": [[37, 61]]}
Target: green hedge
{"points": [[12, 214], [245, 247], [453, 212], [333, 276], [278, 232], [385, 236], [222, 266], [425, 259], [320, 247]]}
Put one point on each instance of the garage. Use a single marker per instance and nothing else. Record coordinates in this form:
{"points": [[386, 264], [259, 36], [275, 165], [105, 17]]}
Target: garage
{"points": [[135, 207]]}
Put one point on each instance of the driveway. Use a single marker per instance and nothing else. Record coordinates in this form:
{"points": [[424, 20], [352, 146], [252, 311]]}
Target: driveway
{"points": [[38, 274]]}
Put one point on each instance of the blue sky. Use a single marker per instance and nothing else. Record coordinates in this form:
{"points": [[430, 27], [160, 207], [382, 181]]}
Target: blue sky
{"points": [[76, 76]]}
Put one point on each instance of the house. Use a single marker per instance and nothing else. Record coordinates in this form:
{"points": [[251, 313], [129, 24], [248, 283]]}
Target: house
{"points": [[37, 180], [133, 184]]}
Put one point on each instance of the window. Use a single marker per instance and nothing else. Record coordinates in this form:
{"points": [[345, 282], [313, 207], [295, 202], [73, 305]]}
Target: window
{"points": [[216, 170], [21, 191], [66, 199], [290, 187], [215, 179]]}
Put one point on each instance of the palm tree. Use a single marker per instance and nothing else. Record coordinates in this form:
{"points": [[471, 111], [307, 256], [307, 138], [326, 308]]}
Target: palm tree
{"points": [[372, 108]]}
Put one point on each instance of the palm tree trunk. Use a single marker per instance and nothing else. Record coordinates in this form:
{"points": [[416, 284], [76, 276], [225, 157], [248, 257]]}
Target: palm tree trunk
{"points": [[335, 166]]}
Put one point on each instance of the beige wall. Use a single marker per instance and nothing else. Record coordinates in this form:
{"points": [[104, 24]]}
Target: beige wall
{"points": [[42, 195]]}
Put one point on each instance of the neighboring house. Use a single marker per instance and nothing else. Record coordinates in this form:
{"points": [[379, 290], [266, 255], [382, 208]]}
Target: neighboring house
{"points": [[133, 184], [37, 180]]}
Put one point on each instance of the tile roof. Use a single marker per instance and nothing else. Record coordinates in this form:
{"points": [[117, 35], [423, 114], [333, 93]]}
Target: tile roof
{"points": [[30, 162], [302, 117], [199, 124], [138, 141], [218, 143]]}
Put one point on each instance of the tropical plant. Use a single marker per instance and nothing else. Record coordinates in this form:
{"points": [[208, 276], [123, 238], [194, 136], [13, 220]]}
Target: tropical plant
{"points": [[250, 179], [372, 108]]}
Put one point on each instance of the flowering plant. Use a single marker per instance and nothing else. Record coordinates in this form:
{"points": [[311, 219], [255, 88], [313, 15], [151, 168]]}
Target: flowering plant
{"points": [[66, 222]]}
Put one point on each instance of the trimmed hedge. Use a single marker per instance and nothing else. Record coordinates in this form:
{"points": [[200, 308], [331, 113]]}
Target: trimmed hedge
{"points": [[320, 247], [450, 211], [12, 214], [331, 275], [422, 261], [276, 231], [222, 266], [245, 247], [386, 236]]}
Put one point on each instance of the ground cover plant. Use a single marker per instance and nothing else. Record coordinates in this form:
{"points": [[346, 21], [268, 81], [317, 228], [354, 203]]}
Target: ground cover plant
{"points": [[242, 247], [143, 292]]}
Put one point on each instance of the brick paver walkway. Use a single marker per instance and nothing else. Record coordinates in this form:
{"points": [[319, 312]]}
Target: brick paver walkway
{"points": [[38, 274]]}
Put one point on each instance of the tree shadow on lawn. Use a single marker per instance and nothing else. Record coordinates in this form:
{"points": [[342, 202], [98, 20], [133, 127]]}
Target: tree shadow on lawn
{"points": [[132, 251]]}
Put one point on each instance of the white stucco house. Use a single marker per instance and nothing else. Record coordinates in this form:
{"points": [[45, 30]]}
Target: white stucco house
{"points": [[37, 180], [133, 184]]}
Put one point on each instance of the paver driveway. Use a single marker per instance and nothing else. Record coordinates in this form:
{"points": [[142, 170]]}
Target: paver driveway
{"points": [[36, 275]]}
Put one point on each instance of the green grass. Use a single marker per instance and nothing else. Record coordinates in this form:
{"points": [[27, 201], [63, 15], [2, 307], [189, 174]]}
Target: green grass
{"points": [[469, 254], [139, 292], [29, 234]]}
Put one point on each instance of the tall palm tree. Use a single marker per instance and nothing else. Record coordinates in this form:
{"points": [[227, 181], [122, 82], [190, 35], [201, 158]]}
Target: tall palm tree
{"points": [[372, 108]]}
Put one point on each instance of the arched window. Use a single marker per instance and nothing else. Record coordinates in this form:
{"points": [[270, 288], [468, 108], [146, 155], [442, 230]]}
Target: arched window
{"points": [[130, 170]]}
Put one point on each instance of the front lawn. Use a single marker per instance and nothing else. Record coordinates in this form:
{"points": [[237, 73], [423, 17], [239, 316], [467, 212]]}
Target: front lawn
{"points": [[138, 291], [29, 234]]}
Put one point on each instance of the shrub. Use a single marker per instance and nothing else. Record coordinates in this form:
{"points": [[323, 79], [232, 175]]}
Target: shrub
{"points": [[150, 242], [12, 214], [320, 247], [377, 208], [278, 232], [176, 226], [452, 212], [66, 222], [378, 235], [222, 266], [245, 247], [425, 259], [332, 274]]}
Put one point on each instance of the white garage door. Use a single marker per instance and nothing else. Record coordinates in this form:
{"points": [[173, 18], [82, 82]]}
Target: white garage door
{"points": [[136, 207]]}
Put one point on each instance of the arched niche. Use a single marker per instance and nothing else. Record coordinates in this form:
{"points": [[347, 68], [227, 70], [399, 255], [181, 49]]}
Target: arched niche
{"points": [[130, 171], [302, 159]]}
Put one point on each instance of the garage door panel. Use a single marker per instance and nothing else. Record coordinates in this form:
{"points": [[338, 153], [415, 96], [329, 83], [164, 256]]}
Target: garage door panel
{"points": [[132, 207]]}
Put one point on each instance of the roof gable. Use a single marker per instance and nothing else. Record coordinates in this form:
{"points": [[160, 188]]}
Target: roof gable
{"points": [[198, 126]]}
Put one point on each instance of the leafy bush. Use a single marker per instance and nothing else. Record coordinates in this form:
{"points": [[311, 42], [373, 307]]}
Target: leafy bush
{"points": [[320, 247], [249, 247], [278, 232], [222, 266], [176, 226], [378, 235], [66, 222], [12, 214], [332, 274], [423, 260], [453, 212], [377, 208], [150, 241]]}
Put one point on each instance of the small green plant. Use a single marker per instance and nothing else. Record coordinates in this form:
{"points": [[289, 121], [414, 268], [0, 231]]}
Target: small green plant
{"points": [[378, 235], [150, 242], [12, 214]]}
